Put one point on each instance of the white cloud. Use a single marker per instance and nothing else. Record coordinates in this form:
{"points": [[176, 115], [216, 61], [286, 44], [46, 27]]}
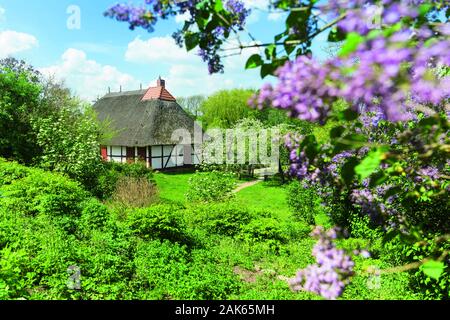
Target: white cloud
{"points": [[181, 18], [157, 49], [185, 73], [12, 42], [276, 16], [88, 78], [94, 47], [193, 78], [259, 4]]}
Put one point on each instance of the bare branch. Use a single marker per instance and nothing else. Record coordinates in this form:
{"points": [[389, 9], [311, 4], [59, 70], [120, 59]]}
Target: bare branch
{"points": [[290, 42]]}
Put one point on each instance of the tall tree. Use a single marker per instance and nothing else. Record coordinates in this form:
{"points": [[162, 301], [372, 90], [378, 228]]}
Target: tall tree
{"points": [[192, 104], [225, 108], [20, 94]]}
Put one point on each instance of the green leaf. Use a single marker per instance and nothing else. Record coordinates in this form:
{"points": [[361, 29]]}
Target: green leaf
{"points": [[200, 5], [266, 70], [369, 164], [297, 19], [348, 170], [336, 132], [191, 40], [433, 269], [374, 34], [271, 51], [428, 122], [390, 236], [377, 179], [254, 61], [309, 145], [349, 141], [424, 8], [279, 36], [392, 192], [351, 43], [218, 6], [336, 35], [201, 21], [348, 114]]}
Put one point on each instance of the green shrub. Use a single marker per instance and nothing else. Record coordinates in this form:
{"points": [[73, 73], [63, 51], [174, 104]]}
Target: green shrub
{"points": [[264, 229], [157, 222], [13, 278], [45, 193], [166, 270], [304, 202], [296, 230], [222, 218], [94, 214], [362, 227], [399, 253], [159, 265], [10, 171], [210, 186], [207, 278], [106, 263]]}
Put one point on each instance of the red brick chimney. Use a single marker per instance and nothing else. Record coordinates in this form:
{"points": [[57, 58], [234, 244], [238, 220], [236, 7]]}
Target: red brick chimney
{"points": [[160, 82]]}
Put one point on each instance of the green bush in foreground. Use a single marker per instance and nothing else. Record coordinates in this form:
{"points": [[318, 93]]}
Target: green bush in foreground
{"points": [[157, 222], [210, 186], [304, 202], [223, 218], [50, 227]]}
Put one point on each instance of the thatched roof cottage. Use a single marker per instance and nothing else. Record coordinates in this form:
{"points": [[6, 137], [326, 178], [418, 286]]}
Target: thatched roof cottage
{"points": [[144, 122]]}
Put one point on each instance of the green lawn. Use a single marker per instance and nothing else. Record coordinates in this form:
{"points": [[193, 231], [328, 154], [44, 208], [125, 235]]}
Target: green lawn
{"points": [[265, 196], [172, 187], [262, 196]]}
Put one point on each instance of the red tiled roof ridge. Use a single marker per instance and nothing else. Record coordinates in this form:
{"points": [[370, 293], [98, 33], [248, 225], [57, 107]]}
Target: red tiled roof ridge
{"points": [[158, 92]]}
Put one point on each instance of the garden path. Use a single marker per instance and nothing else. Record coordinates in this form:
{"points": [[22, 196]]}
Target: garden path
{"points": [[246, 185]]}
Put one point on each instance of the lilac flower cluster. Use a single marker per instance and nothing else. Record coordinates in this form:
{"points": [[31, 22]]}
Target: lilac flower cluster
{"points": [[240, 12], [212, 59], [301, 166], [337, 161], [362, 16], [427, 173], [332, 271], [135, 16], [369, 204], [392, 74], [371, 119], [379, 81], [302, 90], [209, 55]]}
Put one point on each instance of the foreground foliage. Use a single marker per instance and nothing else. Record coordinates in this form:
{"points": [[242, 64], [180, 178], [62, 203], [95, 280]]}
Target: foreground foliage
{"points": [[50, 228]]}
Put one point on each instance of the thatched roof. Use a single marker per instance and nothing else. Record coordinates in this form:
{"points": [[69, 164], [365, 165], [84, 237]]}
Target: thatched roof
{"points": [[139, 122]]}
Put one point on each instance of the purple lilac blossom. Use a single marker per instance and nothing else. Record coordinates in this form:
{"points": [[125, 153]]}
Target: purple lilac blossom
{"points": [[307, 89], [332, 271]]}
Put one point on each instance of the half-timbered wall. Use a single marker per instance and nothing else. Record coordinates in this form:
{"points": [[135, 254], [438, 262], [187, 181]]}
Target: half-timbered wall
{"points": [[157, 157]]}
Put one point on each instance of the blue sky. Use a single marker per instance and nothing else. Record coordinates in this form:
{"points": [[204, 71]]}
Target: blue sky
{"points": [[104, 53]]}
